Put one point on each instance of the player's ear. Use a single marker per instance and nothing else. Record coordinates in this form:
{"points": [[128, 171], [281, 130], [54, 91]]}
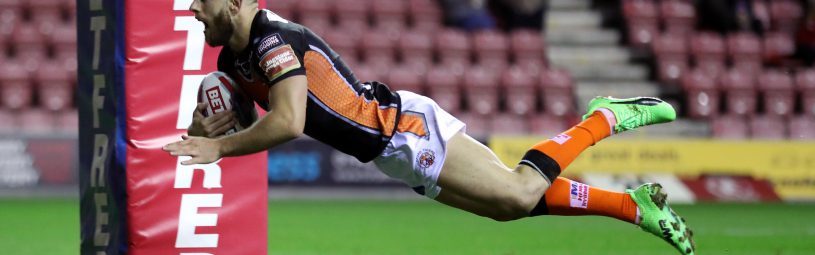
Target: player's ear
{"points": [[235, 6]]}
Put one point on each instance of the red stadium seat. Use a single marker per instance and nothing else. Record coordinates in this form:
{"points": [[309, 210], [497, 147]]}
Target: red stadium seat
{"points": [[379, 47], [15, 86], [786, 15], [678, 16], [403, 78], [68, 121], [491, 49], [671, 52], [416, 49], [641, 18], [547, 125], [745, 50], [30, 46], [343, 43], [802, 127], [708, 50], [777, 92], [528, 47], [768, 127], [9, 124], [477, 125], [730, 127], [453, 47], [54, 87], [444, 87], [520, 89], [508, 124], [740, 92], [365, 73], [778, 47], [481, 89], [426, 15], [352, 14], [805, 85], [37, 121], [10, 16], [557, 92], [390, 14], [701, 93], [46, 13], [287, 9]]}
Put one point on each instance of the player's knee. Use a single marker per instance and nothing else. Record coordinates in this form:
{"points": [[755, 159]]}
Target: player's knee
{"points": [[517, 205]]}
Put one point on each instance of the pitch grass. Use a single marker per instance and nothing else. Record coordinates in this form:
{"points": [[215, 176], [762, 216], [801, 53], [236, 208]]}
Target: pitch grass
{"points": [[425, 227]]}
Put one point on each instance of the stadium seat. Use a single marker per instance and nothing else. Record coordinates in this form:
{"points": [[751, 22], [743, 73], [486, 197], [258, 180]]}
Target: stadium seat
{"points": [[802, 127], [477, 125], [15, 86], [491, 49], [768, 127], [416, 49], [453, 49], [46, 12], [701, 93], [546, 125], [528, 47], [54, 87], [641, 18], [740, 92], [444, 87], [805, 85], [520, 90], [678, 16], [425, 15], [777, 91], [30, 46], [379, 47], [10, 16], [37, 121], [744, 49], [68, 121], [352, 15], [9, 123], [390, 14], [730, 127], [343, 43], [508, 124], [786, 15], [318, 24], [314, 14], [557, 92], [403, 78], [285, 8], [481, 89], [708, 51], [365, 72], [778, 47], [671, 53]]}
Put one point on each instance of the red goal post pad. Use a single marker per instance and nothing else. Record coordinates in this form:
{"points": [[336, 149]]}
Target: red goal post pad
{"points": [[218, 208]]}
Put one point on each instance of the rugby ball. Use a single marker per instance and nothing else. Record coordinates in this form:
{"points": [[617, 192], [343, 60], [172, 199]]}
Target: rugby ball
{"points": [[221, 93]]}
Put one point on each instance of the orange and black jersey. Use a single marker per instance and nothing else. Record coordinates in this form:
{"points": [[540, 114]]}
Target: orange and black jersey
{"points": [[353, 117]]}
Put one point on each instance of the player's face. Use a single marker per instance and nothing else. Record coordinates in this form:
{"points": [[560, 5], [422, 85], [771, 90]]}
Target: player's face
{"points": [[215, 16]]}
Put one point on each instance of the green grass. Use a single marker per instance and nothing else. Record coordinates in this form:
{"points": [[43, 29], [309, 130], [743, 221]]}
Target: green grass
{"points": [[425, 227]]}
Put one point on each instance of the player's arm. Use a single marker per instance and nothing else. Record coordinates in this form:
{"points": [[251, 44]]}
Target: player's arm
{"points": [[285, 120]]}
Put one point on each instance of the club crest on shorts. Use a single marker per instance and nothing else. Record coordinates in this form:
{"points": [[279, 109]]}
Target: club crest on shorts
{"points": [[425, 159]]}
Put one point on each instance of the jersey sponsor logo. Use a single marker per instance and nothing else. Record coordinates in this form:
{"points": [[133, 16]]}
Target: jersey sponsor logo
{"points": [[270, 42], [578, 195], [279, 61], [425, 159]]}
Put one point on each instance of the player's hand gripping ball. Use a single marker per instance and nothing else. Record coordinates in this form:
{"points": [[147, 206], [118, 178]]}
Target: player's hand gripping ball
{"points": [[220, 93]]}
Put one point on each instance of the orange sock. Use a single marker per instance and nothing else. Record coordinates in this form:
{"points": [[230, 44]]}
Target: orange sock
{"points": [[551, 156], [567, 197]]}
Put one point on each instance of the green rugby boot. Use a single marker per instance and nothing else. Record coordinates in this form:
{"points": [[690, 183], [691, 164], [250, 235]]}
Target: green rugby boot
{"points": [[634, 112], [657, 218]]}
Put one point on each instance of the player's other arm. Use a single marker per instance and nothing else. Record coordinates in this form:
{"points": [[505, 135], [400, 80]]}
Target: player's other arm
{"points": [[285, 120]]}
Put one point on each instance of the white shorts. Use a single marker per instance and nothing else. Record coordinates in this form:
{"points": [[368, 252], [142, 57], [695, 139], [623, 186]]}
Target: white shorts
{"points": [[415, 154]]}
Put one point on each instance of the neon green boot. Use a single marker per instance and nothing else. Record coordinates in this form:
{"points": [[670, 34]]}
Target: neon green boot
{"points": [[657, 218], [634, 112]]}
